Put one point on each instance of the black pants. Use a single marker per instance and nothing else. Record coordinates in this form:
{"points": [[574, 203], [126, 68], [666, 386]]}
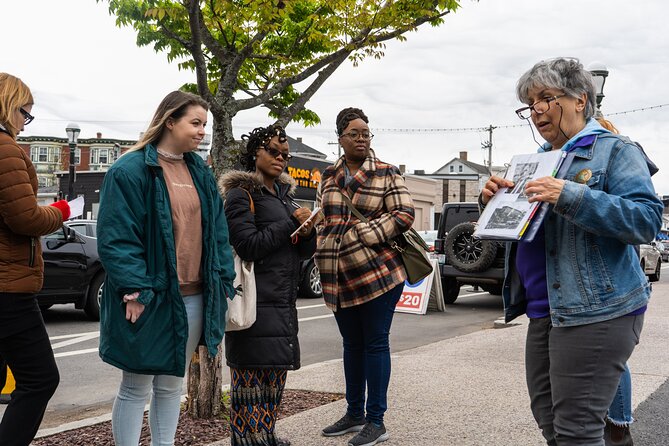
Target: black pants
{"points": [[25, 347]]}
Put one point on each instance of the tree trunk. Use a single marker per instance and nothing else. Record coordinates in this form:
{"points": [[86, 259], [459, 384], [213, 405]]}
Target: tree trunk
{"points": [[224, 149], [204, 384]]}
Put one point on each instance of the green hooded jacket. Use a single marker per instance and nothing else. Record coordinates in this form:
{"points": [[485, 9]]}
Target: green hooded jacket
{"points": [[136, 246]]}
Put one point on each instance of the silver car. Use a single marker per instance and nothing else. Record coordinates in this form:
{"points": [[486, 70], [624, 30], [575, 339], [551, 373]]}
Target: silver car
{"points": [[651, 261]]}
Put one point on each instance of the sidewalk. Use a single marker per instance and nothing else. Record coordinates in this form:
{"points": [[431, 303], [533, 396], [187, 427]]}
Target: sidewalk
{"points": [[465, 391]]}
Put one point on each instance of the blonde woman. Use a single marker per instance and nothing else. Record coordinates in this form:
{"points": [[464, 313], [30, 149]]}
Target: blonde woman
{"points": [[24, 343], [163, 241]]}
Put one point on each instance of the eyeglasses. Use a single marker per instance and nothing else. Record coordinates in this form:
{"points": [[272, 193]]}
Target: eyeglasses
{"points": [[274, 153], [354, 134], [540, 107], [27, 117]]}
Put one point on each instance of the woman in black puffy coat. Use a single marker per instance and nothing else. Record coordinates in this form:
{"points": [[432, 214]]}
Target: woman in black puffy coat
{"points": [[261, 217]]}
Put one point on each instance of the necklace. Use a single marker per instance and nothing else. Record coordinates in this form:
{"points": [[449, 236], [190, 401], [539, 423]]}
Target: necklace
{"points": [[169, 155]]}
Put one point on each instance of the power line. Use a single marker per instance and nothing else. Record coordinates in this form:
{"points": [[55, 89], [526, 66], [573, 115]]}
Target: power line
{"points": [[397, 130], [637, 109], [486, 129]]}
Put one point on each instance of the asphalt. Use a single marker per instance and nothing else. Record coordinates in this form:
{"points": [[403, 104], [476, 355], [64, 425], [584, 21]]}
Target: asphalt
{"points": [[470, 390]]}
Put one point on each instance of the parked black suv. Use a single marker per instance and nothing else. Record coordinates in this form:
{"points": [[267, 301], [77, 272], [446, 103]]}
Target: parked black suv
{"points": [[464, 260]]}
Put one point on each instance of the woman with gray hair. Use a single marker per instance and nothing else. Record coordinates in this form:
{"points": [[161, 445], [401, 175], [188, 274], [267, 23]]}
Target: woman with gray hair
{"points": [[579, 281]]}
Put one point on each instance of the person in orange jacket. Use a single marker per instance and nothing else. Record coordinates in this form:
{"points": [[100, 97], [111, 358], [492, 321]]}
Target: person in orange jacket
{"points": [[24, 342]]}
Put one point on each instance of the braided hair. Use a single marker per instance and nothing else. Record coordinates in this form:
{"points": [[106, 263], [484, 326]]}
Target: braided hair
{"points": [[347, 115], [259, 138]]}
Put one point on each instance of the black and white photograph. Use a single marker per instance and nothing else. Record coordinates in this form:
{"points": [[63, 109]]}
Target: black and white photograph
{"points": [[523, 173], [505, 217]]}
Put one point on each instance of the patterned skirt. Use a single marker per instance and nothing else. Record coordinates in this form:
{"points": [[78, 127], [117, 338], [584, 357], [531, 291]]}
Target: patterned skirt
{"points": [[255, 396]]}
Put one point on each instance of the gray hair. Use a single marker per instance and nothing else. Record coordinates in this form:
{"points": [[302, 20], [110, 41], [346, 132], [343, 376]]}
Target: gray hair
{"points": [[566, 74]]}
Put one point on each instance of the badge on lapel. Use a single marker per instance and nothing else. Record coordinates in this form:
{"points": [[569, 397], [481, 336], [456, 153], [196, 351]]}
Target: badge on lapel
{"points": [[583, 176]]}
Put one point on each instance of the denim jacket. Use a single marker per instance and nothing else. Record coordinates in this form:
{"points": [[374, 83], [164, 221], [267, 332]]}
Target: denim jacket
{"points": [[592, 271]]}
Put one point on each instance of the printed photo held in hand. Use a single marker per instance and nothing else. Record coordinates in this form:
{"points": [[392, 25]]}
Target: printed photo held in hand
{"points": [[509, 212]]}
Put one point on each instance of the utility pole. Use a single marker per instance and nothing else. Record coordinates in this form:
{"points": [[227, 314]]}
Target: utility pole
{"points": [[331, 143], [488, 145]]}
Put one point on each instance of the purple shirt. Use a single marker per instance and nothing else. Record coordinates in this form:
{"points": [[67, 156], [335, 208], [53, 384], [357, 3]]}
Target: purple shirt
{"points": [[531, 266]]}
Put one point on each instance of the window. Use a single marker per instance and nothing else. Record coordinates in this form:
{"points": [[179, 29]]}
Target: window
{"points": [[101, 155], [42, 181], [45, 154], [452, 169], [460, 169]]}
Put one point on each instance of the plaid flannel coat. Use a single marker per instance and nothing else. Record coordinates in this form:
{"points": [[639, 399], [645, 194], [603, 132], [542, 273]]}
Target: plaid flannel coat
{"points": [[356, 262]]}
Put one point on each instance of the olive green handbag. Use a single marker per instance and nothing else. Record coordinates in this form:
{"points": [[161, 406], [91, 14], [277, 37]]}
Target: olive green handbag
{"points": [[410, 245]]}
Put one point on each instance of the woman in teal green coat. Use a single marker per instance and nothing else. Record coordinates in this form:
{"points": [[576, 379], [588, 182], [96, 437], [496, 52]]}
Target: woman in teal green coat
{"points": [[163, 241]]}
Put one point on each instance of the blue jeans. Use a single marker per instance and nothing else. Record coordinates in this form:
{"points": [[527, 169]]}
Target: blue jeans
{"points": [[620, 411], [128, 410], [365, 330]]}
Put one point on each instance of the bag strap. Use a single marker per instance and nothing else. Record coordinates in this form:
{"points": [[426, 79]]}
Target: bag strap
{"points": [[352, 208], [251, 204]]}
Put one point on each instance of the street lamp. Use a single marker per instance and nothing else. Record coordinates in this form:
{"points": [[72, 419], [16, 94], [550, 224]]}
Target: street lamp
{"points": [[599, 74], [72, 131]]}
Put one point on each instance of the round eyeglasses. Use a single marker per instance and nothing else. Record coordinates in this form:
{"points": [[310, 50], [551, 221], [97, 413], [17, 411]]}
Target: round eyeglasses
{"points": [[354, 134], [540, 107]]}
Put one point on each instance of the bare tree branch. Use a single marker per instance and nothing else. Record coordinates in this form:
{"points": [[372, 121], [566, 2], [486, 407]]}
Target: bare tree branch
{"points": [[298, 105], [218, 50], [194, 12], [167, 32], [229, 79]]}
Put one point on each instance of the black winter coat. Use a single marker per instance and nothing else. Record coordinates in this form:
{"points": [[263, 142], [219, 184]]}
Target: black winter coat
{"points": [[264, 238]]}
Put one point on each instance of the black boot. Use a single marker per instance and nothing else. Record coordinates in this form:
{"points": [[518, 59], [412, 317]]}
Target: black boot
{"points": [[615, 435]]}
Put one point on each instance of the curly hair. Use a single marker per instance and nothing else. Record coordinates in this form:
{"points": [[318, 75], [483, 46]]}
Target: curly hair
{"points": [[347, 115], [257, 139]]}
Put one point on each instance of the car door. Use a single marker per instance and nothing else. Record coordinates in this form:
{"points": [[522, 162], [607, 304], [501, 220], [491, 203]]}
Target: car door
{"points": [[65, 264]]}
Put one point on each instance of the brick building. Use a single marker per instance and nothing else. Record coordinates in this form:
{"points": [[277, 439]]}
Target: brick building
{"points": [[51, 154]]}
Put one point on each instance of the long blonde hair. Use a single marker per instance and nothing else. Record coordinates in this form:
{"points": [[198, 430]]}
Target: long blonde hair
{"points": [[608, 125], [173, 106], [14, 94]]}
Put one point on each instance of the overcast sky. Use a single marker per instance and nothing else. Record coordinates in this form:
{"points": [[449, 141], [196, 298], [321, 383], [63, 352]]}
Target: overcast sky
{"points": [[82, 68]]}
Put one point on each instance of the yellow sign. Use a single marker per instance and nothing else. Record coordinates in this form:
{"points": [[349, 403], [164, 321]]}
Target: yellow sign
{"points": [[309, 178], [10, 384]]}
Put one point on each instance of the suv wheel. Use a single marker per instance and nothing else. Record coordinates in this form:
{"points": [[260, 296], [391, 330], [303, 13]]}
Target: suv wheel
{"points": [[451, 289], [92, 308], [656, 275], [311, 286], [467, 253]]}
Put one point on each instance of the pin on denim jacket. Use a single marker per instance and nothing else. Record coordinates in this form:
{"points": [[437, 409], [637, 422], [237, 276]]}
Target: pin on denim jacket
{"points": [[592, 271]]}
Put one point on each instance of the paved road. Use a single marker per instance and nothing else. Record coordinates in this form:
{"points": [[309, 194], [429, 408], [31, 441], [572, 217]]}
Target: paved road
{"points": [[88, 385]]}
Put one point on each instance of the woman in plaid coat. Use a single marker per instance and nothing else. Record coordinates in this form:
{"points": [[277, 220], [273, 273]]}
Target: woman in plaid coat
{"points": [[362, 275]]}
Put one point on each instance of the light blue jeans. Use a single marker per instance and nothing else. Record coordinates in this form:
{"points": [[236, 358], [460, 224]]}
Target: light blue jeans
{"points": [[620, 411], [165, 390]]}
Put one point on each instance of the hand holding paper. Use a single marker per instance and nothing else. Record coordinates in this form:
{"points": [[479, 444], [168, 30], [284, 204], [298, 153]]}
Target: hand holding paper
{"points": [[309, 222], [76, 207]]}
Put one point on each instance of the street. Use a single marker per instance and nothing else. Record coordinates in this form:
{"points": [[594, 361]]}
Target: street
{"points": [[88, 385]]}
